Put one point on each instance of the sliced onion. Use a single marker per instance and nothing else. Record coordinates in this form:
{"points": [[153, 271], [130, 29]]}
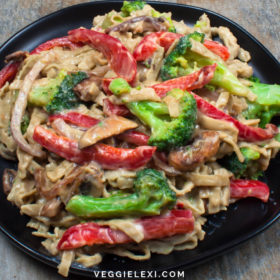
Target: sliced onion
{"points": [[113, 125], [173, 106], [62, 128], [21, 103]]}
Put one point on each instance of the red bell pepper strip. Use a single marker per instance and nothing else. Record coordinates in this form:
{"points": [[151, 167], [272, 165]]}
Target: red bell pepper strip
{"points": [[112, 158], [149, 44], [134, 137], [105, 86], [249, 188], [8, 72], [217, 48], [56, 42], [174, 222], [110, 108], [108, 157], [76, 119], [192, 81], [121, 60], [62, 146], [248, 133]]}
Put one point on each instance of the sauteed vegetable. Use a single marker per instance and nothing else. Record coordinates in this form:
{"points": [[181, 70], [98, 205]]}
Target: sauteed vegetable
{"points": [[130, 133]]}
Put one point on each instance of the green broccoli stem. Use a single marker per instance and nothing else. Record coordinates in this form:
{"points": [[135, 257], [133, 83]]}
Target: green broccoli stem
{"points": [[115, 206], [152, 194], [222, 77], [119, 86], [250, 154], [267, 104], [268, 95], [225, 79], [147, 112]]}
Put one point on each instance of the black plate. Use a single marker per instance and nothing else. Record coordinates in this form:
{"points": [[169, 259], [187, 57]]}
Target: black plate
{"points": [[224, 230]]}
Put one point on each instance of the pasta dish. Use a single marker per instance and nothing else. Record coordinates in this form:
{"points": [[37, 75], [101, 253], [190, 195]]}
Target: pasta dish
{"points": [[128, 134]]}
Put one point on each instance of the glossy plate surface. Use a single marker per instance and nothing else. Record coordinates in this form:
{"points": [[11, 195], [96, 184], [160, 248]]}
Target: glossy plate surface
{"points": [[225, 230]]}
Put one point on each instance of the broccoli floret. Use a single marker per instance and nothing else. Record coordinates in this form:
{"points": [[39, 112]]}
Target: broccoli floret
{"points": [[151, 195], [129, 7], [267, 104], [151, 185], [171, 24], [167, 132], [41, 95], [248, 168], [177, 64], [183, 61], [65, 97], [58, 94]]}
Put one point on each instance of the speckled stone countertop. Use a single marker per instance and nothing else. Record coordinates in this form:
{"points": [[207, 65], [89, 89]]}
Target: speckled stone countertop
{"points": [[258, 258]]}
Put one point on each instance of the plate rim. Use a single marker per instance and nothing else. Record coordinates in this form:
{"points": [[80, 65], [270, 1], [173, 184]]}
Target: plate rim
{"points": [[76, 269]]}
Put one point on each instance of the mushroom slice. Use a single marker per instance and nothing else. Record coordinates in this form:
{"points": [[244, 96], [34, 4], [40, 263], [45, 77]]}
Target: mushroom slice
{"points": [[51, 208], [88, 89], [111, 126], [189, 157], [16, 56], [8, 180]]}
